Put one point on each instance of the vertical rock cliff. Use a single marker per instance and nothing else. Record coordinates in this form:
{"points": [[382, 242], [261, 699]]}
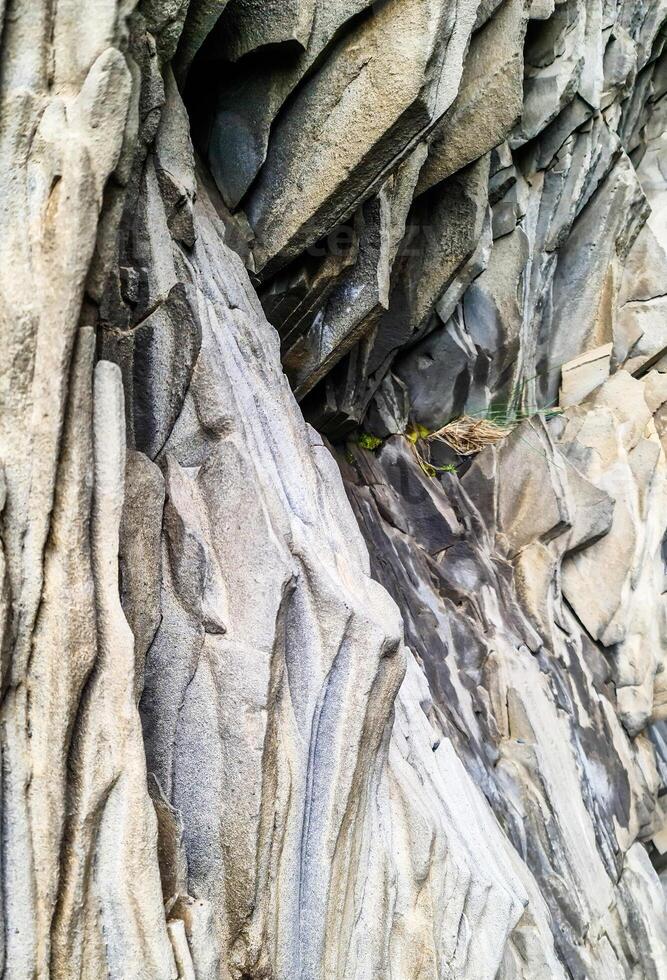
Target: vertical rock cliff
{"points": [[333, 490]]}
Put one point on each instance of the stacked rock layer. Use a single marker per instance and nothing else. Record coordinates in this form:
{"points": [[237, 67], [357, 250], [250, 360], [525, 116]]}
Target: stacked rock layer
{"points": [[275, 704]]}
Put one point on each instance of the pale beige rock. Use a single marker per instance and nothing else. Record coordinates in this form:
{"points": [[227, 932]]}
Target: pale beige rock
{"points": [[640, 329], [179, 942], [584, 374], [612, 439], [73, 791], [140, 566]]}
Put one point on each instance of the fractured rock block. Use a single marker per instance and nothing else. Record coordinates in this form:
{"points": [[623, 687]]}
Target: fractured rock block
{"points": [[361, 294], [584, 374], [314, 172], [247, 103], [489, 100]]}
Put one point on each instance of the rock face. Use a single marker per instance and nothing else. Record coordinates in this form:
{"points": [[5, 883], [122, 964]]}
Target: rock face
{"points": [[289, 688]]}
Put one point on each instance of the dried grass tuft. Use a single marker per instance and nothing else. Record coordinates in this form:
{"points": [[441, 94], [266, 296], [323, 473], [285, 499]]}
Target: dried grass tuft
{"points": [[468, 435]]}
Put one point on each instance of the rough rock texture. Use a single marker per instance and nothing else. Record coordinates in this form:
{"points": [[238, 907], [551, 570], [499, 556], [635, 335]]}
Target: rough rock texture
{"points": [[277, 705]]}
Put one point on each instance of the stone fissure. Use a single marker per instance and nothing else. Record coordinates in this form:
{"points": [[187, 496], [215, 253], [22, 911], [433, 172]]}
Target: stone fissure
{"points": [[293, 689]]}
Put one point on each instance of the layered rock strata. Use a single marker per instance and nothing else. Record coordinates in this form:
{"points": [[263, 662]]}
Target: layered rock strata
{"points": [[274, 708]]}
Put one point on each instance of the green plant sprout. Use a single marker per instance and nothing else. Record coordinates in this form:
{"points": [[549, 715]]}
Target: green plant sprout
{"points": [[368, 441], [470, 433]]}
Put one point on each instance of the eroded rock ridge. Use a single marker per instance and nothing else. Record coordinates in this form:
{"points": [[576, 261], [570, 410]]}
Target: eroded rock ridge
{"points": [[283, 698]]}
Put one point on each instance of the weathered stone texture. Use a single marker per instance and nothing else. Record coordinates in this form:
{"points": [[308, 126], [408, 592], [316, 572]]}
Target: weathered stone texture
{"points": [[278, 707]]}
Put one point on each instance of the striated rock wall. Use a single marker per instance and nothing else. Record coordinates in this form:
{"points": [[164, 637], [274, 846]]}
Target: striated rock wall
{"points": [[276, 704]]}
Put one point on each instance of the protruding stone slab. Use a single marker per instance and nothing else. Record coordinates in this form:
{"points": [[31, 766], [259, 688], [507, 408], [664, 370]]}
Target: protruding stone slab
{"points": [[316, 170], [489, 100], [584, 374]]}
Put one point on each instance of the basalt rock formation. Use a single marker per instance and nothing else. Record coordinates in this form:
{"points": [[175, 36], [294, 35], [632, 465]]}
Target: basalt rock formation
{"points": [[291, 690]]}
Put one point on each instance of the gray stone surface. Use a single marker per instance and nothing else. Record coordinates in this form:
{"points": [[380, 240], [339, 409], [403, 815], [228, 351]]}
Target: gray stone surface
{"points": [[247, 103], [489, 100], [509, 665], [276, 708], [314, 172]]}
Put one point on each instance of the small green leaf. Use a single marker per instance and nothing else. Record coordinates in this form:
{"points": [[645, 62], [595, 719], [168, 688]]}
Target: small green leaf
{"points": [[367, 441]]}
